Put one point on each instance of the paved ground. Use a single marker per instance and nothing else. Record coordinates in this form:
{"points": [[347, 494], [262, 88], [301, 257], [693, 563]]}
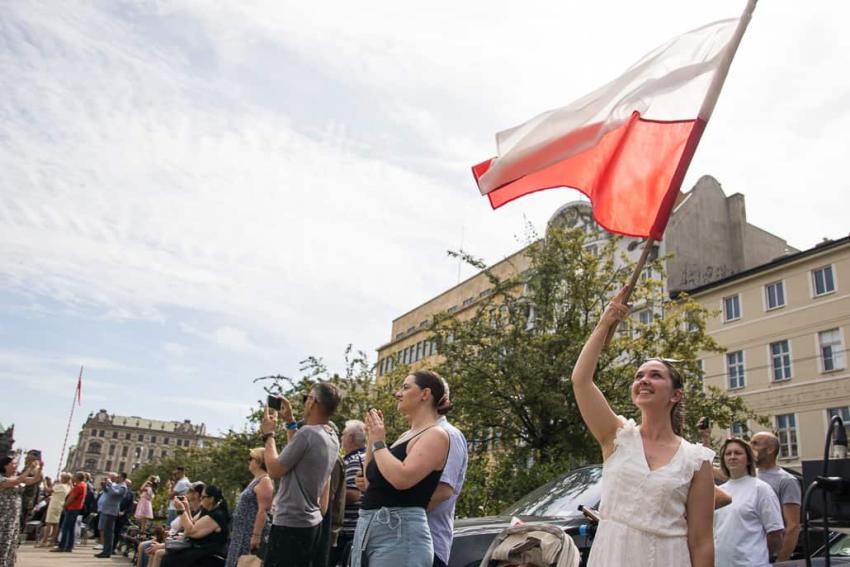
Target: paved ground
{"points": [[82, 556]]}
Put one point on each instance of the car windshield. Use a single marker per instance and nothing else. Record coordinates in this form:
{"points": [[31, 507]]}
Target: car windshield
{"points": [[562, 496], [841, 548]]}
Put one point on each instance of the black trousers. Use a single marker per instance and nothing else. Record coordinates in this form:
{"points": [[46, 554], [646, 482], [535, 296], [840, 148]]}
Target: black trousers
{"points": [[292, 547], [438, 562], [342, 550]]}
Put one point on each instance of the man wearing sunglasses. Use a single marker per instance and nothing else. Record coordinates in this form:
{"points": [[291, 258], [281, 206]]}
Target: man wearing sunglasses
{"points": [[304, 467]]}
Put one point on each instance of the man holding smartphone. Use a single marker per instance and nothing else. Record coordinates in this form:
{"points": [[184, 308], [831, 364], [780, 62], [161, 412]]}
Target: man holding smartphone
{"points": [[304, 468]]}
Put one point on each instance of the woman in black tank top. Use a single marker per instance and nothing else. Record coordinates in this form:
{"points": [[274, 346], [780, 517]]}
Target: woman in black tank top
{"points": [[393, 528]]}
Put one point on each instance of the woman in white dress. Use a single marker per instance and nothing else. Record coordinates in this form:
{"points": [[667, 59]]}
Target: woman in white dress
{"points": [[749, 531], [657, 489]]}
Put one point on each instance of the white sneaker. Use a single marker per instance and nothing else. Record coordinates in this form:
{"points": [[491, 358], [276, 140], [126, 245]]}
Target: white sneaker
{"points": [[97, 547]]}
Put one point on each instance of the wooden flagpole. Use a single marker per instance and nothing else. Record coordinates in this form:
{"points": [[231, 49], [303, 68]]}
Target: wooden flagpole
{"points": [[644, 256], [68, 429]]}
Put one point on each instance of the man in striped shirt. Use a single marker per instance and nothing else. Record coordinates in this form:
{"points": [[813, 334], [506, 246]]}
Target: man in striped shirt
{"points": [[354, 447]]}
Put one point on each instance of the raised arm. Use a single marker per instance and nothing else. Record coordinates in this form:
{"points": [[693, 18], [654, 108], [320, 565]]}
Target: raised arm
{"points": [[427, 454], [595, 411]]}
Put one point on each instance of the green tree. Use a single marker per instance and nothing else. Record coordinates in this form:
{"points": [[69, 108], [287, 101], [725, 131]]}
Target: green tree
{"points": [[509, 364]]}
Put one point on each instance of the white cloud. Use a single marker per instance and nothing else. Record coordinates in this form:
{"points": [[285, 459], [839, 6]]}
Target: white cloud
{"points": [[176, 349]]}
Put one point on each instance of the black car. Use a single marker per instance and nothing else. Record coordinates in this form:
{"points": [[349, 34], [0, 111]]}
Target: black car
{"points": [[555, 503]]}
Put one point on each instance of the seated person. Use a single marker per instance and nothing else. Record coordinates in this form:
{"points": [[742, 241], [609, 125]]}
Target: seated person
{"points": [[151, 552], [207, 534]]}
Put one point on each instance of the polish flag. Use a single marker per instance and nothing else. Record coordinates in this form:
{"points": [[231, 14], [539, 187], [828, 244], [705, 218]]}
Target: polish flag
{"points": [[628, 144]]}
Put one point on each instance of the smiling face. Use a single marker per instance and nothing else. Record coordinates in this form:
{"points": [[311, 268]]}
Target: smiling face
{"points": [[653, 386]]}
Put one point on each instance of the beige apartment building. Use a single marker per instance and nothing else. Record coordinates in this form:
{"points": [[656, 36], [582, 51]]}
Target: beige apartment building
{"points": [[784, 326], [122, 443], [708, 238]]}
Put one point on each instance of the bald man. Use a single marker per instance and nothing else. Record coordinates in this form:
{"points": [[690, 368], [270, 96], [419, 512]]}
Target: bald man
{"points": [[784, 484]]}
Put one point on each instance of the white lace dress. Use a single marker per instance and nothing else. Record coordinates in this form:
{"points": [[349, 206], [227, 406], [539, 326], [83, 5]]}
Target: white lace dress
{"points": [[643, 512]]}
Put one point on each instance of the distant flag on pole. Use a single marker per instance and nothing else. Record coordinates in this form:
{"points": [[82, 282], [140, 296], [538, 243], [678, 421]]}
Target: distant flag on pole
{"points": [[80, 387], [628, 144]]}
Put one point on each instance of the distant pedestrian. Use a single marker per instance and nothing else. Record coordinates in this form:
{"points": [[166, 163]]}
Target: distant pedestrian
{"points": [[114, 490], [144, 509], [60, 490], [180, 485], [74, 505]]}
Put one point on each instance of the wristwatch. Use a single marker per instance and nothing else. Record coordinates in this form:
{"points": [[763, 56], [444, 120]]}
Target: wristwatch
{"points": [[378, 445]]}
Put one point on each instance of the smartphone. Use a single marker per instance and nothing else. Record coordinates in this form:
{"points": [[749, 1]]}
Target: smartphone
{"points": [[274, 402], [704, 423]]}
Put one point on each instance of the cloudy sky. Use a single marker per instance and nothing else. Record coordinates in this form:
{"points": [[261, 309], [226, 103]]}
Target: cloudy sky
{"points": [[193, 194]]}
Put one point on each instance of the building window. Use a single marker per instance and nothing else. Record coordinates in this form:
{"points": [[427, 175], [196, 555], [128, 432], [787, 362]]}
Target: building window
{"points": [[645, 316], [150, 453], [141, 436], [845, 416], [94, 447], [114, 436], [780, 360], [109, 465], [468, 301], [732, 308], [127, 436], [823, 281], [831, 353], [138, 452], [739, 429], [91, 464], [165, 452], [452, 309], [94, 432], [124, 451], [121, 468], [735, 369], [111, 452], [786, 427], [774, 295], [153, 438], [166, 440], [101, 433]]}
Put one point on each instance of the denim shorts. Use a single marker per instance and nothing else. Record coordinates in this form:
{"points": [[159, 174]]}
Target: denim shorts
{"points": [[392, 537]]}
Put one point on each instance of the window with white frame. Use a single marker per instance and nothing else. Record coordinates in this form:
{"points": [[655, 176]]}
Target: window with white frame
{"points": [[645, 316], [780, 360], [845, 416], [735, 369], [732, 307], [774, 295], [823, 281], [786, 428], [831, 353]]}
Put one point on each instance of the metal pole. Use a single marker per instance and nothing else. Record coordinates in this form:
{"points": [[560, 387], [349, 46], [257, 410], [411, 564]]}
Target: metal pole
{"points": [[68, 429]]}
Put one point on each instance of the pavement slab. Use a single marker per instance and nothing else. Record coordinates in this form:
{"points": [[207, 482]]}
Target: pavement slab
{"points": [[82, 556]]}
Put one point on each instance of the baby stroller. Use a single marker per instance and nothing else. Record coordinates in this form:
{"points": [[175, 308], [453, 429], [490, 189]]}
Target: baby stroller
{"points": [[539, 545]]}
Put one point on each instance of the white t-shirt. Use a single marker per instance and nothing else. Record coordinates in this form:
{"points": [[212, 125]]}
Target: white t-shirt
{"points": [[741, 528]]}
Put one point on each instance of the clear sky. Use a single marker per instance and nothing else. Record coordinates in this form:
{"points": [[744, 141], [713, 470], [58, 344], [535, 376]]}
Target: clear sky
{"points": [[193, 194]]}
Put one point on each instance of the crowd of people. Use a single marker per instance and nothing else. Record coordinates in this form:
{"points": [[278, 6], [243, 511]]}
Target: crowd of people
{"points": [[358, 499]]}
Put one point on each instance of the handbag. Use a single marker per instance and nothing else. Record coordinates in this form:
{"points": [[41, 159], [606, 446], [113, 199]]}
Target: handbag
{"points": [[177, 544], [249, 561]]}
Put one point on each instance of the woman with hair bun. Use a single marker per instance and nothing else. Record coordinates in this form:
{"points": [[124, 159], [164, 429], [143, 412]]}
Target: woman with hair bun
{"points": [[657, 489], [393, 529]]}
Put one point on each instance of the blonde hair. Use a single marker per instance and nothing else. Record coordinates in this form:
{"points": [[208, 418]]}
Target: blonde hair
{"points": [[65, 477], [259, 455]]}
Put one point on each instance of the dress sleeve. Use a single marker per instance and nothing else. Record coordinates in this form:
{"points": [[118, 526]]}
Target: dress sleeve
{"points": [[627, 430], [697, 455]]}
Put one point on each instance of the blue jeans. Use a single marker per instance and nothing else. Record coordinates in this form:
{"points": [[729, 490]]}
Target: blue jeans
{"points": [[69, 525], [393, 537], [172, 513]]}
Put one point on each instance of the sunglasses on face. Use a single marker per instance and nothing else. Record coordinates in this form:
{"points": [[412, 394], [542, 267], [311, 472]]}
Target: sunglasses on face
{"points": [[306, 397]]}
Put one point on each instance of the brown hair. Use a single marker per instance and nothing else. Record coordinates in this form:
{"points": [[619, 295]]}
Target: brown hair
{"points": [[438, 386], [259, 456], [751, 459], [677, 412]]}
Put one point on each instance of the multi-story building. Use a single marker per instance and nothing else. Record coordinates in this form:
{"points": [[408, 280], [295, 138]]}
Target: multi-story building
{"points": [[708, 238], [122, 443], [784, 326]]}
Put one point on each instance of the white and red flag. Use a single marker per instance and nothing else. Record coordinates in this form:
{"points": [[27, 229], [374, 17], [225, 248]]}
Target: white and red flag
{"points": [[628, 144]]}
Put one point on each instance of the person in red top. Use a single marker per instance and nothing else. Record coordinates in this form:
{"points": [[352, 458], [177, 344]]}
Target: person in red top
{"points": [[74, 504]]}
